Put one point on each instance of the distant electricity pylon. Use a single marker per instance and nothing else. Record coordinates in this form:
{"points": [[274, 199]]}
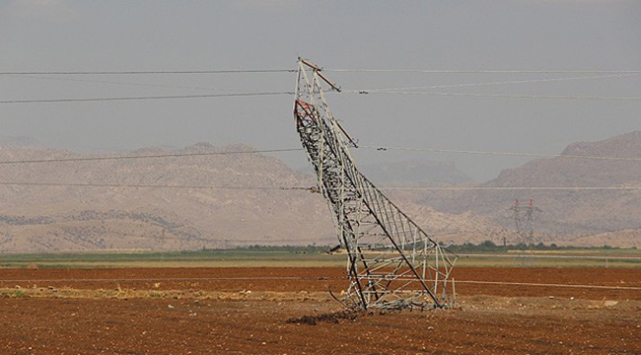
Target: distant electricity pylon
{"points": [[524, 217], [391, 262]]}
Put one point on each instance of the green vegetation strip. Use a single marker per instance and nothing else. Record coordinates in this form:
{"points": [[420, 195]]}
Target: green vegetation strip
{"points": [[482, 255], [207, 258]]}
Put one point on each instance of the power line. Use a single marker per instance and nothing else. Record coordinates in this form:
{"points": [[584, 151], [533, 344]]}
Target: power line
{"points": [[65, 184], [147, 156], [378, 148], [289, 93], [312, 189], [182, 279], [134, 98], [265, 71], [385, 90], [149, 72], [552, 285], [510, 96], [465, 71], [308, 278], [360, 91], [57, 78], [397, 90], [536, 155], [515, 188]]}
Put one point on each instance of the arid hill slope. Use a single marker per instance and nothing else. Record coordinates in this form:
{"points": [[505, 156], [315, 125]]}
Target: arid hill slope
{"points": [[604, 197], [210, 199]]}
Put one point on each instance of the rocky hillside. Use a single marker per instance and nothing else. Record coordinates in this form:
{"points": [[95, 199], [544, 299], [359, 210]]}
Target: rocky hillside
{"points": [[212, 198], [605, 175]]}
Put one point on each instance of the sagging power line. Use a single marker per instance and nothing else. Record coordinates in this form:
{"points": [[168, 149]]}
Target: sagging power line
{"points": [[516, 96], [120, 83], [315, 189], [153, 156], [286, 93], [138, 98], [529, 81], [281, 150], [120, 185], [484, 71], [338, 70], [150, 72], [499, 153]]}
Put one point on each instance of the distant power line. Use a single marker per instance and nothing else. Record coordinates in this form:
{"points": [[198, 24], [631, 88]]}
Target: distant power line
{"points": [[313, 189], [149, 72], [476, 152], [483, 71], [153, 156], [120, 83], [289, 93], [281, 70], [59, 75], [516, 188], [135, 98], [281, 150], [506, 96], [66, 184], [510, 82]]}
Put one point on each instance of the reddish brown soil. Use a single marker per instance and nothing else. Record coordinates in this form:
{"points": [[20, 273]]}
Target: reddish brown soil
{"points": [[209, 311]]}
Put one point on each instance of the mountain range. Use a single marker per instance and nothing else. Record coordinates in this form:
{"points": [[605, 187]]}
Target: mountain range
{"points": [[591, 188], [204, 196]]}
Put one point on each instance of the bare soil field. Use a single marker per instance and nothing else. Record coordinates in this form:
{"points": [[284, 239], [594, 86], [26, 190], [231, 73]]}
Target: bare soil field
{"points": [[289, 311]]}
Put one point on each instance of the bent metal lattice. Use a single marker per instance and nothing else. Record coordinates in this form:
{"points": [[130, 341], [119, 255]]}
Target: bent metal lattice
{"points": [[391, 262]]}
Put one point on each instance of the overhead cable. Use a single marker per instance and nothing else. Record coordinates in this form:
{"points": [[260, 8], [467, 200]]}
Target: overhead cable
{"points": [[536, 155], [66, 184], [316, 278], [314, 189], [149, 72], [109, 82], [378, 148], [512, 96], [515, 188], [135, 98], [153, 156], [384, 90], [252, 71], [466, 71], [289, 93], [360, 91]]}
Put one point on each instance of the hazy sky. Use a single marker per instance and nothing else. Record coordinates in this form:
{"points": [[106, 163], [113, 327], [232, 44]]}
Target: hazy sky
{"points": [[127, 35]]}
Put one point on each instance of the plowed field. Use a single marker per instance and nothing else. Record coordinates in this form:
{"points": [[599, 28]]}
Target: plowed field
{"points": [[259, 310]]}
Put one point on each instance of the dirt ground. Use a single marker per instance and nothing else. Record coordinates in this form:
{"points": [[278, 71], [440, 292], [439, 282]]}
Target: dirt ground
{"points": [[269, 311]]}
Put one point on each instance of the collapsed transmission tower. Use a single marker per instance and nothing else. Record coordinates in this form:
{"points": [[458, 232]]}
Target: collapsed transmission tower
{"points": [[391, 262]]}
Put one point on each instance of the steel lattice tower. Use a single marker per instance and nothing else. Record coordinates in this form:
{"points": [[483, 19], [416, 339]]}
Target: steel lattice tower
{"points": [[524, 217], [391, 261]]}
